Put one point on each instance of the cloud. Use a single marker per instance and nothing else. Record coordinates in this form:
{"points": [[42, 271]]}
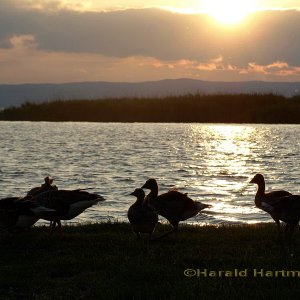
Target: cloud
{"points": [[44, 5], [277, 68], [151, 42], [24, 62]]}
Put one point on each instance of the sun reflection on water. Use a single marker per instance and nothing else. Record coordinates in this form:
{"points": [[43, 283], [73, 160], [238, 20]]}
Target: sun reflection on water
{"points": [[225, 168], [223, 158], [226, 146]]}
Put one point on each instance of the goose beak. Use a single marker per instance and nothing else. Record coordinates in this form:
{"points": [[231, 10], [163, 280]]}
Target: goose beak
{"points": [[252, 180], [131, 194]]}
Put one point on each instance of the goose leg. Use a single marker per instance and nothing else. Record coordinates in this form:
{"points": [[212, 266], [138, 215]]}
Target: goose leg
{"points": [[280, 232], [287, 231], [59, 224], [53, 225], [138, 235], [291, 228], [288, 234], [277, 223], [175, 228]]}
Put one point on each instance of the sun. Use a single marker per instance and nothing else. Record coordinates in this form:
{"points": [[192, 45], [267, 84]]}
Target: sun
{"points": [[230, 11]]}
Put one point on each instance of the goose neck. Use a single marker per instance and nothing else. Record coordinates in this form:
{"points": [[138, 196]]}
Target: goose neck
{"points": [[153, 192], [261, 188]]}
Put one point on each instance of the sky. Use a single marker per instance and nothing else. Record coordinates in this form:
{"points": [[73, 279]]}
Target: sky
{"points": [[55, 41]]}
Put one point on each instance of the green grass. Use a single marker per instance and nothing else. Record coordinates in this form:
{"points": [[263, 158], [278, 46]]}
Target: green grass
{"points": [[105, 261]]}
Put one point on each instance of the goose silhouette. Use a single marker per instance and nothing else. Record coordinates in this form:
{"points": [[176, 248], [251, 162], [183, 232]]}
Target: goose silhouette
{"points": [[21, 213], [173, 205], [266, 201], [142, 218], [68, 204]]}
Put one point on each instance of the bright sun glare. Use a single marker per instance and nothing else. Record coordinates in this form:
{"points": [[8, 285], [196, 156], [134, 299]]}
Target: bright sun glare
{"points": [[230, 11]]}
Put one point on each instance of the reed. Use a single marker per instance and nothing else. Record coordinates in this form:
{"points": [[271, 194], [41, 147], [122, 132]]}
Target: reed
{"points": [[243, 108]]}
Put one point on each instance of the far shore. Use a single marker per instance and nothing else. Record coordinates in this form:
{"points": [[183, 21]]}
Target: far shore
{"points": [[243, 108]]}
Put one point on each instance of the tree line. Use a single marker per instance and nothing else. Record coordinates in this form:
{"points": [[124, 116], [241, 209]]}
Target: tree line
{"points": [[243, 108]]}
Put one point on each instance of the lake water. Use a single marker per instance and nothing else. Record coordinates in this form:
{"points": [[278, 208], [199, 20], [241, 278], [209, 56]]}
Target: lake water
{"points": [[212, 162]]}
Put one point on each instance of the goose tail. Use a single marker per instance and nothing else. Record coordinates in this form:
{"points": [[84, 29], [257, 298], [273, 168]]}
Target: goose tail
{"points": [[100, 198], [201, 205]]}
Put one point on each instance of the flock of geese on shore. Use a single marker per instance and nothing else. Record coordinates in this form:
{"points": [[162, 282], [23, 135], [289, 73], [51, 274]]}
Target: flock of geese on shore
{"points": [[49, 203]]}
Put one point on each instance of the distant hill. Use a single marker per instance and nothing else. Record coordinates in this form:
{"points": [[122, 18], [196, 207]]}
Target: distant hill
{"points": [[14, 95]]}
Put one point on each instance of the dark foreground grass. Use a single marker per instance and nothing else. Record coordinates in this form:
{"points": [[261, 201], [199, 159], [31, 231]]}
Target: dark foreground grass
{"points": [[105, 261]]}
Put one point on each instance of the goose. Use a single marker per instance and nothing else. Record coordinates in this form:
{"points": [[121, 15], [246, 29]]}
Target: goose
{"points": [[173, 205], [142, 218], [47, 186], [263, 199], [68, 204], [286, 209], [21, 213]]}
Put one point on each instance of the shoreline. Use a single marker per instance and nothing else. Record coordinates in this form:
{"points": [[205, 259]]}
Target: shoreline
{"points": [[153, 122], [165, 223]]}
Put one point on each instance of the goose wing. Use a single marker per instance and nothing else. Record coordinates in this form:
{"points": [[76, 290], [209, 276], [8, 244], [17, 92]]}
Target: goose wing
{"points": [[73, 196], [41, 189], [272, 196], [53, 199], [141, 214], [174, 204], [285, 208]]}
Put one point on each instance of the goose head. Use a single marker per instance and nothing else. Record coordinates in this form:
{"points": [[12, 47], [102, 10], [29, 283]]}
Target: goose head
{"points": [[150, 184], [48, 181], [139, 193], [258, 179]]}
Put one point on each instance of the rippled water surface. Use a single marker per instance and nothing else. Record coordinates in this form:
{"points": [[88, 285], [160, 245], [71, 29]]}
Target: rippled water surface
{"points": [[213, 163]]}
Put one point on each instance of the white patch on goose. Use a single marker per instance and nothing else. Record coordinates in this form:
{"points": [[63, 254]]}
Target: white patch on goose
{"points": [[200, 205], [100, 198], [78, 207], [41, 209], [267, 207]]}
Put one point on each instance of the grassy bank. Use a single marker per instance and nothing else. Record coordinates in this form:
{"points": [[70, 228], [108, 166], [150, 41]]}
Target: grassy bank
{"points": [[105, 261]]}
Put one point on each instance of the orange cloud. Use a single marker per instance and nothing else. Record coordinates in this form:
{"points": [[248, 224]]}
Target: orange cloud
{"points": [[25, 62], [216, 64], [278, 68], [22, 41]]}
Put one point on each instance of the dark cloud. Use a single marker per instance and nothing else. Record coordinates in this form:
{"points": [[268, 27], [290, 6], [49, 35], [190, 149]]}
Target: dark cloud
{"points": [[265, 37]]}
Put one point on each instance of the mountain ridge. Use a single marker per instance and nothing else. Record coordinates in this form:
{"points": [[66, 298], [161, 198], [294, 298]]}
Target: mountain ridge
{"points": [[16, 94]]}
